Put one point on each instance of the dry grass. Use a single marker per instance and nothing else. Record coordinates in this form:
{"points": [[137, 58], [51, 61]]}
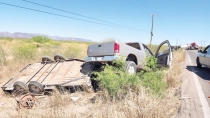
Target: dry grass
{"points": [[136, 103]]}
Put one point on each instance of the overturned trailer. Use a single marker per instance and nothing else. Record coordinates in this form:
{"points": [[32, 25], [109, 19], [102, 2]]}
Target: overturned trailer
{"points": [[45, 75]]}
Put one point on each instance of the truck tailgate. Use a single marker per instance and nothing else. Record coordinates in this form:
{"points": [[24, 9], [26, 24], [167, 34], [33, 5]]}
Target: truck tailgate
{"points": [[101, 49]]}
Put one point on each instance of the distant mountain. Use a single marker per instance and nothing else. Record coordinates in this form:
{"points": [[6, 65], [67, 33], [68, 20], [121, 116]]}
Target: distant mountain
{"points": [[30, 35]]}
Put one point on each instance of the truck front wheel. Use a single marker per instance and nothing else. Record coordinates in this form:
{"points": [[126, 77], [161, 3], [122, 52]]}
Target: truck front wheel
{"points": [[130, 67]]}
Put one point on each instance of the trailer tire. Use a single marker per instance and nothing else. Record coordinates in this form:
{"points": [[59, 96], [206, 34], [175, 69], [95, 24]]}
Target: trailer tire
{"points": [[46, 59], [58, 57], [35, 87], [20, 86], [130, 67]]}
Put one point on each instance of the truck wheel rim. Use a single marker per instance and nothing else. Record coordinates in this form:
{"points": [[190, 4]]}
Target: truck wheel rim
{"points": [[131, 70]]}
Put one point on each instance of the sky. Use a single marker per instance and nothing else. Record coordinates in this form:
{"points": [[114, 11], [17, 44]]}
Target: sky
{"points": [[179, 21]]}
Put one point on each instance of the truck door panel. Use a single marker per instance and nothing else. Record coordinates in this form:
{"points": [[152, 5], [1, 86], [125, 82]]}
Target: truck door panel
{"points": [[164, 54]]}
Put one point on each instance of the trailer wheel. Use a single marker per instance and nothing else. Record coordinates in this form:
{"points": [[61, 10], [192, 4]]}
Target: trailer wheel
{"points": [[130, 67], [20, 86], [58, 57], [46, 59], [35, 87]]}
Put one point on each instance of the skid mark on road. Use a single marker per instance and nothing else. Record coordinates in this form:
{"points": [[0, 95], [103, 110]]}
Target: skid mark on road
{"points": [[204, 103]]}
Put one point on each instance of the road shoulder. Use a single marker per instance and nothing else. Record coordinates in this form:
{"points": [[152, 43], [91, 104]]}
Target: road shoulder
{"points": [[190, 104]]}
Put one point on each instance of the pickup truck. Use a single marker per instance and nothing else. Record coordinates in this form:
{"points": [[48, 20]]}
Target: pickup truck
{"points": [[134, 53]]}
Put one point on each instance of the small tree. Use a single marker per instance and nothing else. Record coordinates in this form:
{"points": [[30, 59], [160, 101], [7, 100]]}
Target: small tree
{"points": [[41, 39]]}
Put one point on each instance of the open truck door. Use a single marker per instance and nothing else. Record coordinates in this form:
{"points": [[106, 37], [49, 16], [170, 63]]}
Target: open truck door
{"points": [[164, 54]]}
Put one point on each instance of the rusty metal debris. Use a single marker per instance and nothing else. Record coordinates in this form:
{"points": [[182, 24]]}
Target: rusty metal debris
{"points": [[26, 101]]}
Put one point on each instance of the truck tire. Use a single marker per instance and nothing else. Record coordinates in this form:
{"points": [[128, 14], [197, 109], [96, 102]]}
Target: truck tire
{"points": [[20, 86], [130, 67], [198, 63], [58, 57], [35, 87], [46, 59]]}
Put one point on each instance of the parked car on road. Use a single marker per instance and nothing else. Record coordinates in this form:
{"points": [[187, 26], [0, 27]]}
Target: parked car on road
{"points": [[203, 57]]}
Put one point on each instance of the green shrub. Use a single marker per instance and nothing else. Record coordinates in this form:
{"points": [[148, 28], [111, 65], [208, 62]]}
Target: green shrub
{"points": [[151, 63], [41, 39], [153, 81], [114, 79], [24, 51], [6, 38]]}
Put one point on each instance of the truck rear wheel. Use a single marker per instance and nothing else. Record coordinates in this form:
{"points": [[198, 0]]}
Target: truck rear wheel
{"points": [[130, 67]]}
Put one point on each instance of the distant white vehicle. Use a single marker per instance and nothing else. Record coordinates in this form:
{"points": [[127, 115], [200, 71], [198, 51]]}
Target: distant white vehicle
{"points": [[184, 46], [191, 46]]}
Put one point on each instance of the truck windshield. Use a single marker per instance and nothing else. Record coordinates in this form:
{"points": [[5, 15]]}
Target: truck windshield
{"points": [[135, 45]]}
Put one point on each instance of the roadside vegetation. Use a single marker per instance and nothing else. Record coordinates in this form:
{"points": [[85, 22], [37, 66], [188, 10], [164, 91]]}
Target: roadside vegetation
{"points": [[153, 92]]}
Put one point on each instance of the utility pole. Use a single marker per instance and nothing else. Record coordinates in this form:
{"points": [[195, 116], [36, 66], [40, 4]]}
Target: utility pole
{"points": [[204, 43], [201, 44], [152, 29]]}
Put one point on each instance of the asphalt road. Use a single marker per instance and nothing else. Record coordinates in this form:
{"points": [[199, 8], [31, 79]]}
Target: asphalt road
{"points": [[203, 73]]}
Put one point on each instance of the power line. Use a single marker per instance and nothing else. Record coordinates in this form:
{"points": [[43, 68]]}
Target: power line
{"points": [[138, 7], [68, 16], [74, 13], [162, 25], [148, 7]]}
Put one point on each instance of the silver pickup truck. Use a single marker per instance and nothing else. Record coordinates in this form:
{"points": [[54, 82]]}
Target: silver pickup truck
{"points": [[134, 53]]}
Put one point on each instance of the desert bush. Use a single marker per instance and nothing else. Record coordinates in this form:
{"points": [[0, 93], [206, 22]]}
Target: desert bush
{"points": [[2, 56], [6, 38], [25, 51], [153, 81], [115, 80], [73, 51], [41, 39]]}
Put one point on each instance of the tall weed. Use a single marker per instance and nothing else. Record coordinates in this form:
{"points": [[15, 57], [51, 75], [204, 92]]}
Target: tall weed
{"points": [[2, 56], [25, 51], [73, 51]]}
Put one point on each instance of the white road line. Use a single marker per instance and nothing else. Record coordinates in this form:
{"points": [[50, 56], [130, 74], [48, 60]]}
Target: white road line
{"points": [[204, 103]]}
